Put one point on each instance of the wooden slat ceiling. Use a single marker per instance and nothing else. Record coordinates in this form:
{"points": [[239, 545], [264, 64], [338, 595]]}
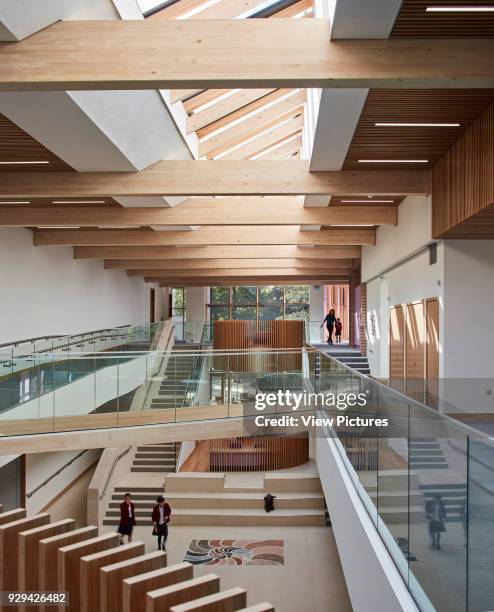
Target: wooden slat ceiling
{"points": [[412, 106], [414, 22], [16, 146], [242, 124]]}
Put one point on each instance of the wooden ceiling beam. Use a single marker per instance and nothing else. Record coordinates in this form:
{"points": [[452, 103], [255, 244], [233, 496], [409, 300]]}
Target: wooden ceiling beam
{"points": [[287, 150], [216, 252], [192, 177], [236, 235], [205, 54], [211, 264], [241, 272], [198, 281], [216, 212]]}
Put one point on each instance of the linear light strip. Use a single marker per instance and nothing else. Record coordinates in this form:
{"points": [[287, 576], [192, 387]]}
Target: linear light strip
{"points": [[21, 163], [459, 9], [25, 202], [393, 161], [78, 201], [368, 201], [397, 124]]}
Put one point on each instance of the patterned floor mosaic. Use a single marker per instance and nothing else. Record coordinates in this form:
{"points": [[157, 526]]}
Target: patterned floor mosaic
{"points": [[235, 552]]}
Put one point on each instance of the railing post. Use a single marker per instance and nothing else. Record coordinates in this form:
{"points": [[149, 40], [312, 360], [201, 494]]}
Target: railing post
{"points": [[317, 370]]}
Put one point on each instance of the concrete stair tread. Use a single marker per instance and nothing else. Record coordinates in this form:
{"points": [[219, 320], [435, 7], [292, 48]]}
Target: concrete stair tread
{"points": [[247, 512]]}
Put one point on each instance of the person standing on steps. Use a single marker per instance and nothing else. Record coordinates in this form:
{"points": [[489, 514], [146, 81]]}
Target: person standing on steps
{"points": [[330, 320], [127, 518], [161, 518]]}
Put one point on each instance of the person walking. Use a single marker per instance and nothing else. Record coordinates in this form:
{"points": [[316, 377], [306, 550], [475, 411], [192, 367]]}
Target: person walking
{"points": [[330, 320], [161, 518], [127, 518], [436, 515]]}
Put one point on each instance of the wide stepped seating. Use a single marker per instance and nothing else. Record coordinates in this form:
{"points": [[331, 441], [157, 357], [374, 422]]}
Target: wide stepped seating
{"points": [[100, 575], [215, 498]]}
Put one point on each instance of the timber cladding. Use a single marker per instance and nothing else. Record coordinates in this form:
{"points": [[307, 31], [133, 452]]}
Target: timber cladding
{"points": [[463, 184]]}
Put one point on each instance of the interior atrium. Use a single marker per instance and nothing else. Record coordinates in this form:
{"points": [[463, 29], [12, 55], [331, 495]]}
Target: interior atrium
{"points": [[247, 288]]}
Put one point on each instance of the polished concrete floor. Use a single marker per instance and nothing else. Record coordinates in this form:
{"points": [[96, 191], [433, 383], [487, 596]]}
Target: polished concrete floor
{"points": [[310, 579]]}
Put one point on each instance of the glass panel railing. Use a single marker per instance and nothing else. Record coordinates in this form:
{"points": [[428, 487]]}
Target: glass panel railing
{"points": [[427, 483]]}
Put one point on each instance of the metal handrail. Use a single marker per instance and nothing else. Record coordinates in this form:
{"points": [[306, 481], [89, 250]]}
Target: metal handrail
{"points": [[59, 471], [110, 473], [464, 429]]}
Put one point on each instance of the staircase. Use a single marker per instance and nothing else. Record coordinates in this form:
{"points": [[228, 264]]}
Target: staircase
{"points": [[173, 386], [155, 458], [352, 358], [452, 496], [426, 454], [397, 495], [236, 499]]}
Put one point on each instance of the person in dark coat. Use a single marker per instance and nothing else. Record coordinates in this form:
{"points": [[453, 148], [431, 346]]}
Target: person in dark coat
{"points": [[127, 518], [161, 518], [330, 320], [269, 502], [436, 515]]}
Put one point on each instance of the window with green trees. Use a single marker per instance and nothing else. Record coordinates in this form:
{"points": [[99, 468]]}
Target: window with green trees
{"points": [[261, 303]]}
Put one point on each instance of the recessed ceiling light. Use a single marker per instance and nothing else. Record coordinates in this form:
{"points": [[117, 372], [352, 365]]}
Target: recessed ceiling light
{"points": [[459, 9], [398, 124], [22, 163], [368, 201], [78, 201], [25, 202], [393, 161]]}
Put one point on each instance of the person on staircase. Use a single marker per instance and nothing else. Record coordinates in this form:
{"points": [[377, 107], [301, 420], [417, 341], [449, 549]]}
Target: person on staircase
{"points": [[127, 518], [161, 518], [330, 320]]}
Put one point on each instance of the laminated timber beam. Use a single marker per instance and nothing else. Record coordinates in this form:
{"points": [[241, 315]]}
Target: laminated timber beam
{"points": [[235, 235], [220, 252], [182, 281], [241, 272], [195, 54], [215, 177], [213, 264], [210, 213]]}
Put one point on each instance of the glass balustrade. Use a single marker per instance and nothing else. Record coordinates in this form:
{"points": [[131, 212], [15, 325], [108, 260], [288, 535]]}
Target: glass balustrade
{"points": [[425, 480]]}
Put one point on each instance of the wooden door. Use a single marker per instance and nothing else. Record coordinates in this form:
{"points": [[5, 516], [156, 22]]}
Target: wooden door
{"points": [[415, 350], [397, 347], [432, 351]]}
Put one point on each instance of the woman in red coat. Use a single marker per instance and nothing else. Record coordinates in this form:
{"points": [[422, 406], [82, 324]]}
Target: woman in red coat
{"points": [[161, 518], [127, 518]]}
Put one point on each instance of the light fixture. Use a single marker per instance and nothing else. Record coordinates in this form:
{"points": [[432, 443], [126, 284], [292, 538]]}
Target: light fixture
{"points": [[78, 201], [459, 9], [64, 227], [25, 202], [368, 201], [353, 225], [393, 161], [22, 163], [398, 124]]}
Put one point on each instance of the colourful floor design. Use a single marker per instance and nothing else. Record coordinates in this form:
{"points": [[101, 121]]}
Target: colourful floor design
{"points": [[235, 552]]}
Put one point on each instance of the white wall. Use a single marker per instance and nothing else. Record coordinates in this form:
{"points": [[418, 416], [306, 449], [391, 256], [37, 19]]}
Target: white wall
{"points": [[316, 308], [397, 271], [397, 243], [469, 317], [40, 466], [45, 291]]}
